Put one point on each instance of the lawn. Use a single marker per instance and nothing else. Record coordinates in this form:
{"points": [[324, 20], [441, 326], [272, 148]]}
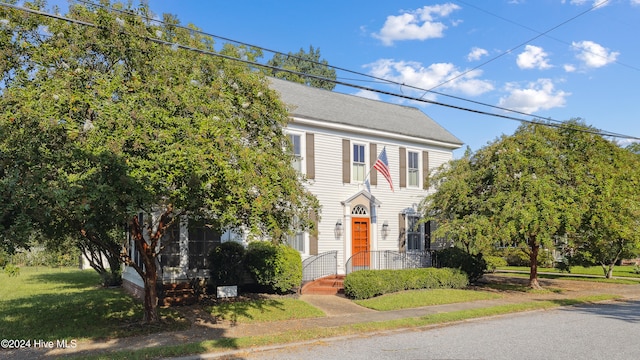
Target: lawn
{"points": [[626, 271], [264, 310], [66, 303], [420, 298]]}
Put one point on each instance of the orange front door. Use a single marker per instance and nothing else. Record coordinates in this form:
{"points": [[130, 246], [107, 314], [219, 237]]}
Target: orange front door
{"points": [[360, 241]]}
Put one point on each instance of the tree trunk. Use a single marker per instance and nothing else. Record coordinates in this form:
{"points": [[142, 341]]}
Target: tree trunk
{"points": [[533, 258], [151, 314]]}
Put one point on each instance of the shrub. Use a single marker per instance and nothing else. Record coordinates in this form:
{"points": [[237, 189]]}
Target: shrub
{"points": [[278, 267], [494, 262], [11, 270], [226, 264], [473, 265], [366, 284]]}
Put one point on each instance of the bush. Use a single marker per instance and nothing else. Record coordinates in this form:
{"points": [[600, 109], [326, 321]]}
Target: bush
{"points": [[11, 270], [226, 264], [366, 284], [278, 267], [494, 262], [456, 258]]}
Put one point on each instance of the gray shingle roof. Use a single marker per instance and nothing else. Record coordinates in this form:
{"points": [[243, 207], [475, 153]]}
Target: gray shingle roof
{"points": [[319, 104]]}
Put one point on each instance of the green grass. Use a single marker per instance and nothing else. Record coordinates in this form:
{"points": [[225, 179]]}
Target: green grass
{"points": [[520, 288], [66, 303], [419, 298], [318, 333], [573, 276], [264, 310], [618, 271]]}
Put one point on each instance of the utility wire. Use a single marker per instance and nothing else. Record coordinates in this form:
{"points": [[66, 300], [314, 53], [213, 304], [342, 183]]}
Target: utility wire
{"points": [[337, 82], [545, 35], [377, 79], [595, 6], [380, 80]]}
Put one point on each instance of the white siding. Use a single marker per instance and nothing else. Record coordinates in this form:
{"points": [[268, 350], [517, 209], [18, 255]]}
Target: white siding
{"points": [[331, 192]]}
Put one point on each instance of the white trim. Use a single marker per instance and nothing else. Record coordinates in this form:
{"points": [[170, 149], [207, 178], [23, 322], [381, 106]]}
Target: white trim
{"points": [[420, 176], [378, 133]]}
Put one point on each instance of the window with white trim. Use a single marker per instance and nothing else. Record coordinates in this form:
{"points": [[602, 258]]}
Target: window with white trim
{"points": [[413, 169], [297, 240], [359, 165], [414, 233], [296, 147]]}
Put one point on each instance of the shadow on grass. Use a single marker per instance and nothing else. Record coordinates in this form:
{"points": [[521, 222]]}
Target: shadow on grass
{"points": [[247, 308]]}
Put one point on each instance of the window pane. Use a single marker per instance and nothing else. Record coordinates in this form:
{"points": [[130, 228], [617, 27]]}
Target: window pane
{"points": [[413, 160], [295, 141], [358, 153], [297, 241], [414, 178], [358, 172]]}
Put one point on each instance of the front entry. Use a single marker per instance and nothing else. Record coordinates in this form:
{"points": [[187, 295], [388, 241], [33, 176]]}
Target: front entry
{"points": [[360, 242]]}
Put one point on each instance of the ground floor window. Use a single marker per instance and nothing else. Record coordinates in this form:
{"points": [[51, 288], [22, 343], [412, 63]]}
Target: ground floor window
{"points": [[415, 233]]}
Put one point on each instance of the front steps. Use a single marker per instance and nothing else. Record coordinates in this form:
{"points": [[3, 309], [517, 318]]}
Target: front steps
{"points": [[329, 285]]}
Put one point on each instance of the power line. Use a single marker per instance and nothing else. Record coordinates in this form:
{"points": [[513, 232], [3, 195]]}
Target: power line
{"points": [[545, 35], [337, 82], [519, 45], [380, 80]]}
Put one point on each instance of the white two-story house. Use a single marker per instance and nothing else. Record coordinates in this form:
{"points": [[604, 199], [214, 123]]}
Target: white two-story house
{"points": [[337, 139]]}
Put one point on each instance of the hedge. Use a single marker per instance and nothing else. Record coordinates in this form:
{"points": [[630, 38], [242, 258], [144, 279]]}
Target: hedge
{"points": [[366, 284]]}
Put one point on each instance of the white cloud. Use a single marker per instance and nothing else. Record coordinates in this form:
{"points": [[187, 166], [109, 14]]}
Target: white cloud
{"points": [[539, 95], [569, 68], [599, 3], [414, 74], [594, 55], [418, 24], [476, 53], [635, 2], [367, 94], [533, 57]]}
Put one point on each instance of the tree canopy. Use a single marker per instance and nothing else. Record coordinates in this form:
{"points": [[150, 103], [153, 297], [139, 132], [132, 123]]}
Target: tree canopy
{"points": [[119, 116], [533, 187], [304, 63]]}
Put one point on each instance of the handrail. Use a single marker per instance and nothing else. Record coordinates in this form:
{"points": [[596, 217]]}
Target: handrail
{"points": [[320, 265]]}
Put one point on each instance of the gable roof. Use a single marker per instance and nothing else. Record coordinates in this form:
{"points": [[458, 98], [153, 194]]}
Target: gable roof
{"points": [[319, 104]]}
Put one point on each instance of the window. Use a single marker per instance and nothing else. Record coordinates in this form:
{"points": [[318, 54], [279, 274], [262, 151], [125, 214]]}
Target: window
{"points": [[359, 165], [202, 239], [414, 233], [296, 241], [413, 169], [170, 255], [297, 151]]}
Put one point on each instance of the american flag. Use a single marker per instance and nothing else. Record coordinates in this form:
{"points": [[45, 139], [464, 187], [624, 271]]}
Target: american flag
{"points": [[382, 165]]}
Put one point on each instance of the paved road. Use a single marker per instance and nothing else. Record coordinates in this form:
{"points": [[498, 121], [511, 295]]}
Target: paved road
{"points": [[603, 331]]}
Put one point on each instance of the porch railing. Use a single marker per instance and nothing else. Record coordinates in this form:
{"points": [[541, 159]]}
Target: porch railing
{"points": [[389, 260], [320, 265]]}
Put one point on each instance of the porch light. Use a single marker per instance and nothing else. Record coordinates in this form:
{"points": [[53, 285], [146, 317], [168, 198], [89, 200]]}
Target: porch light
{"points": [[338, 229], [385, 229]]}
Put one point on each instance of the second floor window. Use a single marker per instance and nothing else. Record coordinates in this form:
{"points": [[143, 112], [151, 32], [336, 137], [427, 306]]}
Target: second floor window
{"points": [[359, 165], [413, 169], [297, 152]]}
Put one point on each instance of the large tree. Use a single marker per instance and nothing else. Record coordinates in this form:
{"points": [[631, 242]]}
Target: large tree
{"points": [[527, 189], [156, 124], [303, 63], [610, 177]]}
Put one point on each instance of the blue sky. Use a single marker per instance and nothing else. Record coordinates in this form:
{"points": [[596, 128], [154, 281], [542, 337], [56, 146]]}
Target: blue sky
{"points": [[550, 58]]}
